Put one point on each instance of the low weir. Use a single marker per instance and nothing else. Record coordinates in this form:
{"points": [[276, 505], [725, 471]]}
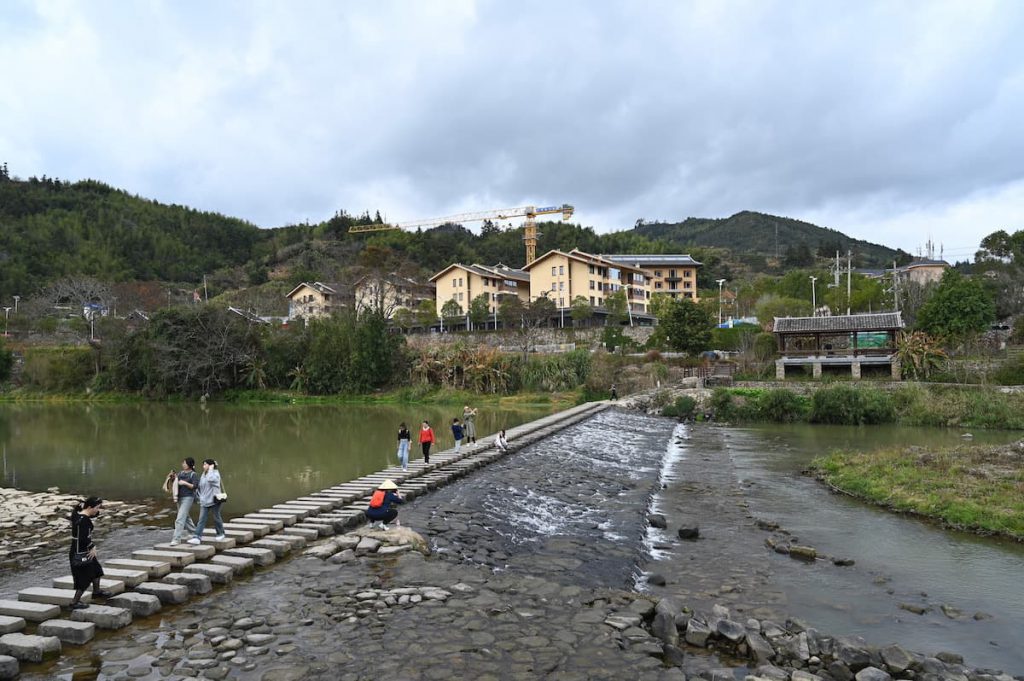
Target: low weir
{"points": [[34, 630]]}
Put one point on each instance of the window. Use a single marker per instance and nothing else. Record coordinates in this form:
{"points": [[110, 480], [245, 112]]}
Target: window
{"points": [[553, 269], [687, 284], [591, 284], [672, 273], [600, 301], [460, 281], [460, 295], [687, 273], [591, 297], [552, 286], [561, 302], [486, 282], [657, 284], [561, 286], [591, 271], [657, 273], [494, 296], [561, 269]]}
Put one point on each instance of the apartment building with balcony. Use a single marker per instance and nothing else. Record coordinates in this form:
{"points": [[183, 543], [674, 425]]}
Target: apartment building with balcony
{"points": [[463, 283], [388, 293], [674, 275], [561, 277]]}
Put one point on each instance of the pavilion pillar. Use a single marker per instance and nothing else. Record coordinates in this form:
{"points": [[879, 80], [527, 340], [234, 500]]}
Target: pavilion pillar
{"points": [[897, 370], [816, 369], [855, 370], [780, 370]]}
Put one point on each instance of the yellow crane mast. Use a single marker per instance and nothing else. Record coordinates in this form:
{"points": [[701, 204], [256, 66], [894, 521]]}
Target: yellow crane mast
{"points": [[529, 212]]}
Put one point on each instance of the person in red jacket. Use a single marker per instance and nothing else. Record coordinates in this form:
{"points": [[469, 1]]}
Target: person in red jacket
{"points": [[426, 439]]}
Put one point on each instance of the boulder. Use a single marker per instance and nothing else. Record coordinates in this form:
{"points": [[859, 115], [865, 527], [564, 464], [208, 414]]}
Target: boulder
{"points": [[872, 674], [807, 553], [344, 556], [896, 659], [667, 605], [656, 579], [759, 648], [664, 627], [657, 520], [673, 655], [732, 631], [367, 545], [697, 633], [852, 652], [689, 532]]}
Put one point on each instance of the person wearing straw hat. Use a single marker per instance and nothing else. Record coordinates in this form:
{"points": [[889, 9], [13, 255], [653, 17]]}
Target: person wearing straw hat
{"points": [[382, 505]]}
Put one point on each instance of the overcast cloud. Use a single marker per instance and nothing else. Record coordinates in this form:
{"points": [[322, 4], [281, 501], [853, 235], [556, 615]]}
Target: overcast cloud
{"points": [[890, 121]]}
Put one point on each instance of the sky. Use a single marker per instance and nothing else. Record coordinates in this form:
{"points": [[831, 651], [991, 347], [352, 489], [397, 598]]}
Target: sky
{"points": [[892, 121]]}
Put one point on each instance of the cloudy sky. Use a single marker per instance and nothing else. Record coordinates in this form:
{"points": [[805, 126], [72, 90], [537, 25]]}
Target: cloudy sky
{"points": [[891, 121]]}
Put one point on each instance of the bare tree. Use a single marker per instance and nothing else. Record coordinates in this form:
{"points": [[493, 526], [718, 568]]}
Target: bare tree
{"points": [[85, 296]]}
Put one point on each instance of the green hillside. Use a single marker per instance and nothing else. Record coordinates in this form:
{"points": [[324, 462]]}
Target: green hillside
{"points": [[752, 236]]}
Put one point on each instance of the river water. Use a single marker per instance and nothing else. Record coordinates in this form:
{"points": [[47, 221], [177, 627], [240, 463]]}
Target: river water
{"points": [[267, 453]]}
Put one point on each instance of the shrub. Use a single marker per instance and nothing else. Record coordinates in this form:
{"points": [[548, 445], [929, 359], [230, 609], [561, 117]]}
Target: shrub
{"points": [[682, 408], [652, 356], [1011, 372], [782, 406], [846, 405], [63, 369], [6, 362], [765, 346], [661, 399]]}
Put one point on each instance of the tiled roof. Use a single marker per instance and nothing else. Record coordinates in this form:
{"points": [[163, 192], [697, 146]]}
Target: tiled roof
{"points": [[651, 259], [882, 321], [496, 271]]}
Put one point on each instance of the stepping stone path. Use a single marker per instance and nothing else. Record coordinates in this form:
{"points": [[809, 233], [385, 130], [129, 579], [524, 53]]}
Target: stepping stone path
{"points": [[172, 574]]}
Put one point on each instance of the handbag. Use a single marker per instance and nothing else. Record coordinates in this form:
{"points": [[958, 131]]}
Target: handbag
{"points": [[221, 496]]}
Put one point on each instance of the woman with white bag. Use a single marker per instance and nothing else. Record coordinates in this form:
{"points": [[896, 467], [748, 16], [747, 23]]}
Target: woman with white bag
{"points": [[211, 496]]}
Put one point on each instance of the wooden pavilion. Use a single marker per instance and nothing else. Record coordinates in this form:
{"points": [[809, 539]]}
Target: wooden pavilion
{"points": [[847, 340]]}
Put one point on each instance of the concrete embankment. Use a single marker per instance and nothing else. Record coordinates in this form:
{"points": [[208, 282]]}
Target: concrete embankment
{"points": [[152, 578]]}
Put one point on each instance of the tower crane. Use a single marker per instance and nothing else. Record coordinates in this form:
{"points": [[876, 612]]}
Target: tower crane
{"points": [[529, 212]]}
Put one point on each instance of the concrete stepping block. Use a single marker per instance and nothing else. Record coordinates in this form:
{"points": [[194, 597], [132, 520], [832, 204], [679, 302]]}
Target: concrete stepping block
{"points": [[103, 616], [219, 544], [257, 530], [286, 518], [68, 631], [154, 568], [294, 540], [28, 648], [197, 584], [200, 551], [261, 557], [11, 625], [280, 548], [218, 574], [114, 586], [9, 668], [236, 563], [29, 611], [338, 523], [323, 504], [310, 509], [177, 559], [130, 578], [240, 536], [140, 605], [42, 594], [324, 529], [274, 524], [298, 513], [172, 594], [309, 533]]}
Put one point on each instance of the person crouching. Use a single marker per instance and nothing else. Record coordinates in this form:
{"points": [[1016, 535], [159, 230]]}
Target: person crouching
{"points": [[382, 505]]}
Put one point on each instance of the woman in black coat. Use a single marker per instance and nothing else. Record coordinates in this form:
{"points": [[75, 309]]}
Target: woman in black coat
{"points": [[85, 567]]}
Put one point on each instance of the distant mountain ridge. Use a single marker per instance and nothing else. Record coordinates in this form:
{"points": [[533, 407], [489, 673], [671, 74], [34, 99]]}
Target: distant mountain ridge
{"points": [[749, 233]]}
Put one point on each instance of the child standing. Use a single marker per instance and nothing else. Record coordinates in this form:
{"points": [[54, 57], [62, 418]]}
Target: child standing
{"points": [[457, 433]]}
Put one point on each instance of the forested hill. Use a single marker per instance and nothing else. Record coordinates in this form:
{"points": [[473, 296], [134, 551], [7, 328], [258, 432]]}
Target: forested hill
{"points": [[756, 234], [50, 228]]}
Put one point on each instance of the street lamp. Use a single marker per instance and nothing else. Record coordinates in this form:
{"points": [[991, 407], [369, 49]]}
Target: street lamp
{"points": [[16, 299], [720, 282], [7, 321], [814, 297]]}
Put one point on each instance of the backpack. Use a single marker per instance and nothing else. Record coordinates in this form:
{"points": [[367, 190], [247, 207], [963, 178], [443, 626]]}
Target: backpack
{"points": [[377, 500]]}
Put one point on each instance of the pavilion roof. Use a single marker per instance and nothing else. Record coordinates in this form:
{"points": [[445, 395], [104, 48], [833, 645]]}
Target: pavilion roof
{"points": [[881, 321]]}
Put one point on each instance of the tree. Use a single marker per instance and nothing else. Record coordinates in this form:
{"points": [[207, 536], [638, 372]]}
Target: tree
{"points": [[86, 296], [958, 308], [798, 255], [769, 306], [686, 326], [510, 310], [426, 314], [404, 319], [918, 354], [451, 313], [617, 307], [479, 308], [580, 310]]}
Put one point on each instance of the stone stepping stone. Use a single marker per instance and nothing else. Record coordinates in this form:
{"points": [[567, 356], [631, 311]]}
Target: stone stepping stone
{"points": [[200, 551], [218, 574], [339, 523], [114, 586], [294, 540], [42, 594], [240, 536], [280, 548], [254, 529], [129, 578], [261, 557], [154, 568], [308, 533], [103, 616], [175, 558], [286, 518], [322, 504], [11, 625], [29, 611], [323, 529], [9, 668], [140, 605], [238, 564], [197, 584], [274, 524], [68, 631], [281, 508], [308, 510], [173, 594], [218, 544], [28, 648]]}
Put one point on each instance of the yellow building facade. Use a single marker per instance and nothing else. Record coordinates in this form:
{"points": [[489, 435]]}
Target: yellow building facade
{"points": [[674, 275], [463, 283], [562, 276], [311, 300]]}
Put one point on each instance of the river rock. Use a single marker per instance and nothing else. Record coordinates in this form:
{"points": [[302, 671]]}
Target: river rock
{"points": [[801, 675], [839, 671], [367, 545], [345, 556], [770, 671], [950, 658], [872, 674], [896, 658], [697, 633], [657, 520], [668, 605], [664, 627], [759, 648], [852, 652], [689, 532], [734, 632], [808, 553], [673, 655], [656, 579]]}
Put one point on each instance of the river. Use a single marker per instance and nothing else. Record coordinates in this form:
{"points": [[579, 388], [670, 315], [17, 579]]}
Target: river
{"points": [[267, 453]]}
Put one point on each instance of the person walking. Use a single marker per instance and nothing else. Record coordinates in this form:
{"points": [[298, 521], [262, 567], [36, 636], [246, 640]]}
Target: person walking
{"points": [[615, 393], [210, 498], [469, 421], [382, 505], [185, 484], [403, 445], [457, 434], [85, 566], [426, 439]]}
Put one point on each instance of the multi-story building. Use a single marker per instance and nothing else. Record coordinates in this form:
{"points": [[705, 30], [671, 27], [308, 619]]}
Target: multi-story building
{"points": [[463, 283], [674, 275], [561, 277], [389, 293], [313, 300]]}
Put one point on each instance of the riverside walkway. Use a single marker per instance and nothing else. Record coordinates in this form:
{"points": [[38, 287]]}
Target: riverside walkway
{"points": [[32, 628]]}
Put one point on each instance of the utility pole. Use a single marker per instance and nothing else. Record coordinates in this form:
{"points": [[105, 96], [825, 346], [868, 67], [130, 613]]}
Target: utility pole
{"points": [[814, 297], [849, 278], [895, 287], [7, 321], [16, 299], [720, 282], [206, 293]]}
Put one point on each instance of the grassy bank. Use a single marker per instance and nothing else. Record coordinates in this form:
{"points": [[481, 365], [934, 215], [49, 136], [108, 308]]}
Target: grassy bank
{"points": [[971, 487], [909, 405]]}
